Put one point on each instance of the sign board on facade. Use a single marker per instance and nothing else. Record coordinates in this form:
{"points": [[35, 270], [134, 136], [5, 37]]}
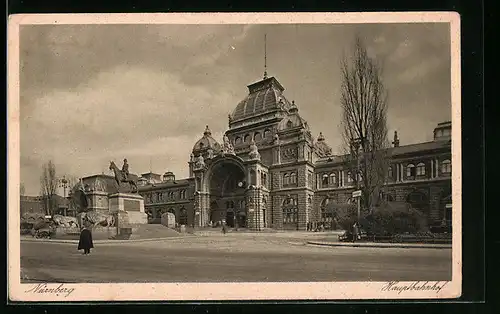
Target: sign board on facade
{"points": [[356, 193]]}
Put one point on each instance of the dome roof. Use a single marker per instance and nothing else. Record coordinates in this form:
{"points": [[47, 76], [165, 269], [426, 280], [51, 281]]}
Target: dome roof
{"points": [[264, 96], [206, 142]]}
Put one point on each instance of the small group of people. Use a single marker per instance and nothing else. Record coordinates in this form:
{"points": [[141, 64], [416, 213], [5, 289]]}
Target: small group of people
{"points": [[315, 226]]}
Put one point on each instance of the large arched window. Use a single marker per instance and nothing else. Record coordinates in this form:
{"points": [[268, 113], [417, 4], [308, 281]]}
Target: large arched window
{"points": [[257, 137], [183, 216], [389, 173], [293, 178], [267, 134], [290, 214], [446, 166], [410, 171], [332, 179], [324, 181], [421, 169]]}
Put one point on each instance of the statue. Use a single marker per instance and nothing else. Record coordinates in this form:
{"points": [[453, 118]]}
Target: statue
{"points": [[94, 218], [125, 169], [200, 162], [227, 147], [210, 153], [120, 177], [276, 138], [254, 152]]}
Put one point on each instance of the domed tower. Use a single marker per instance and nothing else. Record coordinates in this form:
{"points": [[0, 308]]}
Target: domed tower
{"points": [[256, 118], [206, 147]]}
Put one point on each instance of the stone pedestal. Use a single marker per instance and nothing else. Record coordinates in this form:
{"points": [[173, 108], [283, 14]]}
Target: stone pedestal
{"points": [[98, 201], [132, 204]]}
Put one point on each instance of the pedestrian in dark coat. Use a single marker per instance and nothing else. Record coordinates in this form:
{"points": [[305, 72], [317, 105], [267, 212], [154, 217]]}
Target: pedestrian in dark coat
{"points": [[85, 242], [355, 232]]}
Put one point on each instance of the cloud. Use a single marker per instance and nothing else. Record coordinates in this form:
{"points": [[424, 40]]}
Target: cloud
{"points": [[125, 111], [420, 70], [91, 93]]}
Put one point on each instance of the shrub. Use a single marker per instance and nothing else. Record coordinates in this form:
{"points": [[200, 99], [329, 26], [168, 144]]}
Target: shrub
{"points": [[394, 218], [385, 220], [344, 215]]}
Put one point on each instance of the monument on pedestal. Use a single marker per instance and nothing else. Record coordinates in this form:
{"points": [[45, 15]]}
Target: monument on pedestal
{"points": [[127, 204]]}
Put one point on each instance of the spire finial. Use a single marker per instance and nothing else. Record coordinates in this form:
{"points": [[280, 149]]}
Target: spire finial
{"points": [[265, 56], [207, 131]]}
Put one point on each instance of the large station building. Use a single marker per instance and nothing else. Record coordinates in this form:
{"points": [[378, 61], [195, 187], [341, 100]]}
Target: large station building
{"points": [[270, 172]]}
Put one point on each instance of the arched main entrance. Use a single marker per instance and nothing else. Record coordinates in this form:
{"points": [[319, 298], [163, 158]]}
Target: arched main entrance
{"points": [[226, 187]]}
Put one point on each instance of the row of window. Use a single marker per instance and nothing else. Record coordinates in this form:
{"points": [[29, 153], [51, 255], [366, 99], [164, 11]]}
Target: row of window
{"points": [[164, 196], [257, 136], [420, 169], [329, 180], [289, 178]]}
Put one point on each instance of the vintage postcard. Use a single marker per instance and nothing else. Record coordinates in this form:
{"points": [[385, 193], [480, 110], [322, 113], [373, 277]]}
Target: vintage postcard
{"points": [[275, 156]]}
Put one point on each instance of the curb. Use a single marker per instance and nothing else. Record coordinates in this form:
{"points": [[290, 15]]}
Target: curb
{"points": [[101, 241], [382, 245]]}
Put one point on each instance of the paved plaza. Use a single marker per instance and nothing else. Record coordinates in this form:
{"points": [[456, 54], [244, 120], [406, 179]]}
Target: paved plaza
{"points": [[230, 258]]}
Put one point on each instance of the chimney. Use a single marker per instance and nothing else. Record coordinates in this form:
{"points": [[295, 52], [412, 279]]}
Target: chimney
{"points": [[396, 139]]}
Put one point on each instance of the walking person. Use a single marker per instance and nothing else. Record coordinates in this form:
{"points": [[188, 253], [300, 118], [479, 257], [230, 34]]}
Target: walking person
{"points": [[223, 228], [85, 242], [355, 232]]}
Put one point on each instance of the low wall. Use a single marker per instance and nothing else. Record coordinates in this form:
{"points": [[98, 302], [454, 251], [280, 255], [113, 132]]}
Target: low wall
{"points": [[98, 233]]}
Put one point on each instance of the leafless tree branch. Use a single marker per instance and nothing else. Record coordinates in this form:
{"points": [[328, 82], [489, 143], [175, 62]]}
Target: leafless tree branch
{"points": [[364, 106]]}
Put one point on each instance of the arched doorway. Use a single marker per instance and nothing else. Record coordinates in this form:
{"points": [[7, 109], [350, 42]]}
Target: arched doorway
{"points": [[290, 214], [226, 187], [183, 217]]}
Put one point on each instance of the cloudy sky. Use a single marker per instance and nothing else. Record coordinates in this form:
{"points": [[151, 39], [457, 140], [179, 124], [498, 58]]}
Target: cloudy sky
{"points": [[92, 93]]}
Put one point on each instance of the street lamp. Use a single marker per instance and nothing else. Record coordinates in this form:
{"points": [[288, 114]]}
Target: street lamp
{"points": [[64, 183]]}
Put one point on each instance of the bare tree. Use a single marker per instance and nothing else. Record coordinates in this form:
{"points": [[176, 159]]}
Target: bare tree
{"points": [[364, 125], [49, 183]]}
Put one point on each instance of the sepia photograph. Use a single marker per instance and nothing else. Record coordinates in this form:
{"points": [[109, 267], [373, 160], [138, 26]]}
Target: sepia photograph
{"points": [[230, 156]]}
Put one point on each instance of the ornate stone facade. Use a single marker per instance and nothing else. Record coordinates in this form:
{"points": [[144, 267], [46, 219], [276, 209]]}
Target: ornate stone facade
{"points": [[270, 172]]}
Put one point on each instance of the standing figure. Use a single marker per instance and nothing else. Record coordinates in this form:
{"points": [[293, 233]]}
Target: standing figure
{"points": [[355, 232], [85, 242], [125, 169], [224, 227]]}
